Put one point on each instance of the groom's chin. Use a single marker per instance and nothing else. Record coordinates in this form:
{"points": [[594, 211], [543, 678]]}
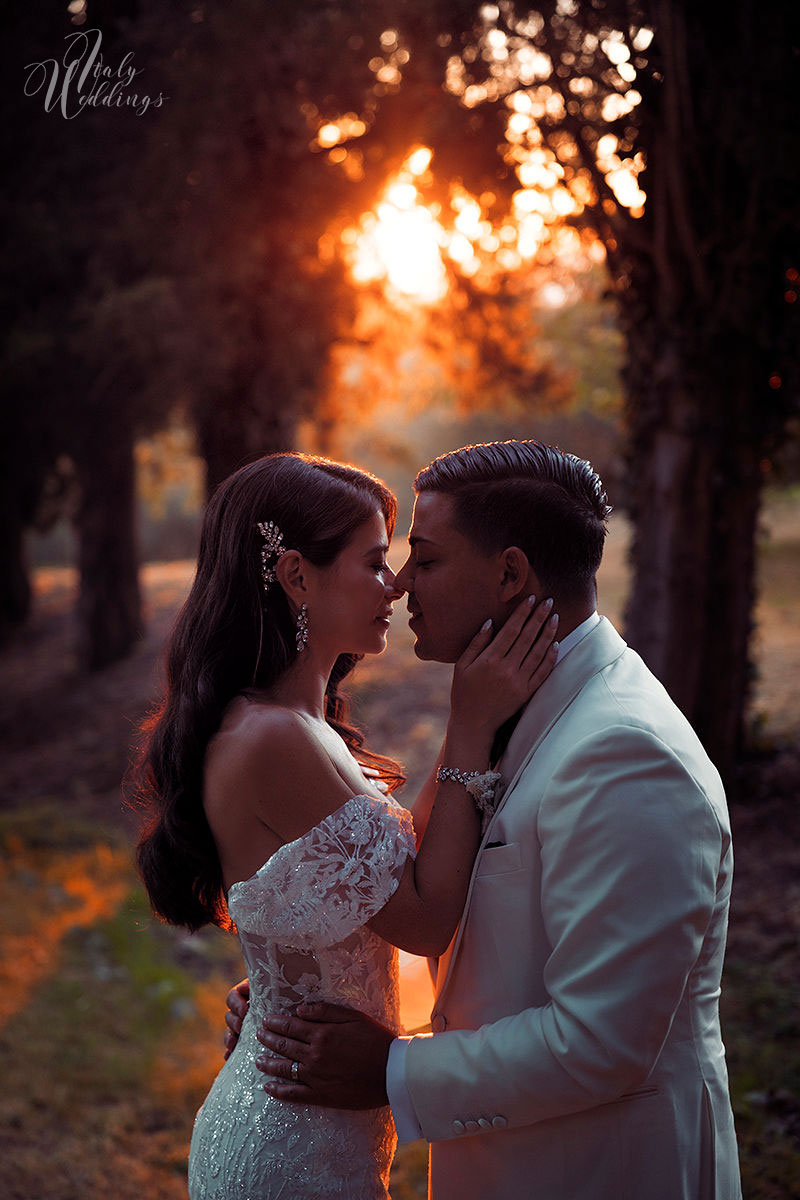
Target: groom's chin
{"points": [[426, 653], [422, 651]]}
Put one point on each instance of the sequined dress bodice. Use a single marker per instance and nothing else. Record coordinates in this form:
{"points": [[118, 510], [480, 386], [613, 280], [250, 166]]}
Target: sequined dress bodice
{"points": [[301, 921]]}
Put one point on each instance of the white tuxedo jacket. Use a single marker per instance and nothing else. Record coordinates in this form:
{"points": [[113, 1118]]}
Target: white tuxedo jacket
{"points": [[577, 1051]]}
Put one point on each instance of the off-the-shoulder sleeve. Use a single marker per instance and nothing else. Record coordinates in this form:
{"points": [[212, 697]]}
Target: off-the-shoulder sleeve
{"points": [[319, 889]]}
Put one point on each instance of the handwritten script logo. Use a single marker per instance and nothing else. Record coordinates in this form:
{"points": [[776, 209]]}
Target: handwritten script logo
{"points": [[84, 80]]}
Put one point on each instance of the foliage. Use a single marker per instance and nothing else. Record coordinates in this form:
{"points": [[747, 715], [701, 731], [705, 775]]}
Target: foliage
{"points": [[401, 415], [622, 96], [765, 1081]]}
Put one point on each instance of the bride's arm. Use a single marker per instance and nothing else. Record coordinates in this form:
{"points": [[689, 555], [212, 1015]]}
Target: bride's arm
{"points": [[421, 808], [491, 681]]}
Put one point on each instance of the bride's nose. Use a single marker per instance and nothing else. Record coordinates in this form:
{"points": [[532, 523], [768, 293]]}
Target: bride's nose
{"points": [[393, 592]]}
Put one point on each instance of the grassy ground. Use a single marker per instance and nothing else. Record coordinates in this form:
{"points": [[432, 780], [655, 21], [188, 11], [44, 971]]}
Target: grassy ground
{"points": [[110, 1024]]}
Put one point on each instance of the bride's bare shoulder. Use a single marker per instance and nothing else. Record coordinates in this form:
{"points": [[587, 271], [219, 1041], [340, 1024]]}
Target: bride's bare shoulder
{"points": [[251, 731], [269, 757]]}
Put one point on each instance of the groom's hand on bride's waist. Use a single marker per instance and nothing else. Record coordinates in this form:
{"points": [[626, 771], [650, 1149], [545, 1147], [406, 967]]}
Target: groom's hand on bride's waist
{"points": [[238, 1002], [326, 1054]]}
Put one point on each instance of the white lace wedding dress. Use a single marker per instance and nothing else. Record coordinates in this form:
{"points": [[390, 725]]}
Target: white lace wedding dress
{"points": [[301, 922]]}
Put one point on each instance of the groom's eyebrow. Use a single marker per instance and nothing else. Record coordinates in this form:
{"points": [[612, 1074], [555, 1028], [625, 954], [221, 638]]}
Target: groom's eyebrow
{"points": [[413, 539]]}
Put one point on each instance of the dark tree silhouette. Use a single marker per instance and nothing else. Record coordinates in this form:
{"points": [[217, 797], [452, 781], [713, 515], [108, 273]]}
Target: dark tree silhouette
{"points": [[705, 281], [85, 334]]}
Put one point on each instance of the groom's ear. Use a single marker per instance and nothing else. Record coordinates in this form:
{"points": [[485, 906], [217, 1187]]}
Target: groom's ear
{"points": [[517, 579]]}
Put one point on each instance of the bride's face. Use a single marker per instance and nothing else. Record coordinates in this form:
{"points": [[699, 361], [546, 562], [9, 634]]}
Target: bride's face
{"points": [[350, 601]]}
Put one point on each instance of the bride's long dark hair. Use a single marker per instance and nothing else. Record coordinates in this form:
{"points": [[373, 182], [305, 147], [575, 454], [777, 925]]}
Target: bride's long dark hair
{"points": [[230, 637]]}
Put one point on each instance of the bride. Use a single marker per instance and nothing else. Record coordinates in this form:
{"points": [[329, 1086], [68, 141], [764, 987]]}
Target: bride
{"points": [[261, 809]]}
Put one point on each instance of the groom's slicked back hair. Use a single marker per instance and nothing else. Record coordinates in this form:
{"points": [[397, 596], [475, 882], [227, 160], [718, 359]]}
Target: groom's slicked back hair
{"points": [[522, 493]]}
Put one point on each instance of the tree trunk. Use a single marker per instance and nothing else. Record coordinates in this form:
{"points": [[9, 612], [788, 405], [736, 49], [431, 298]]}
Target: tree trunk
{"points": [[15, 588], [241, 426], [700, 280], [695, 486], [109, 601]]}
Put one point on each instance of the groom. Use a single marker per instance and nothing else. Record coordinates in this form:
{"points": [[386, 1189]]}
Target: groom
{"points": [[576, 1052]]}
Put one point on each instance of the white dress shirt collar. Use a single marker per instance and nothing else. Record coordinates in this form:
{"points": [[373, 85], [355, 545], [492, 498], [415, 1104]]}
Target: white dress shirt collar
{"points": [[577, 635]]}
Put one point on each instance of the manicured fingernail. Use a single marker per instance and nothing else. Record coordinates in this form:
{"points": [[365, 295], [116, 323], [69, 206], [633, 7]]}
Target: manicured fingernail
{"points": [[487, 625], [554, 647], [554, 619], [531, 600], [549, 602]]}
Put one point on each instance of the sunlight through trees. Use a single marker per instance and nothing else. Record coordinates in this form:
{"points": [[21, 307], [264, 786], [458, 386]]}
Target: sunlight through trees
{"points": [[446, 169]]}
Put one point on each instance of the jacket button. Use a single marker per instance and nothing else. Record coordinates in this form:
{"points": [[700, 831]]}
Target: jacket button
{"points": [[458, 1126], [471, 1126], [499, 1122], [484, 1124], [439, 1023]]}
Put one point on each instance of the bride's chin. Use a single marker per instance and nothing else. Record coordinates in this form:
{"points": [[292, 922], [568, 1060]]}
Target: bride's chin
{"points": [[375, 643]]}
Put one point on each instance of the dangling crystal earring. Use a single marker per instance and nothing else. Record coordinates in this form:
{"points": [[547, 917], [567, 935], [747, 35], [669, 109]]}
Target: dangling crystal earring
{"points": [[302, 629]]}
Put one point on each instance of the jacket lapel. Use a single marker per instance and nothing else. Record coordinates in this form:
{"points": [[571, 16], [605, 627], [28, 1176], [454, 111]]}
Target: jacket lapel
{"points": [[593, 653]]}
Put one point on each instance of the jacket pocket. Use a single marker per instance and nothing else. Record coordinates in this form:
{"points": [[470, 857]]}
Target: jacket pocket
{"points": [[497, 860], [649, 1090]]}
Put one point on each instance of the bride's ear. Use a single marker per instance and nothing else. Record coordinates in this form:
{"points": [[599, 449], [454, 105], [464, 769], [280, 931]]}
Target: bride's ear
{"points": [[291, 575], [517, 579]]}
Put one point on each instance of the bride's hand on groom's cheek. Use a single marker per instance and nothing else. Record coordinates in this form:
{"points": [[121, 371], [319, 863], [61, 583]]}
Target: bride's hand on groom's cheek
{"points": [[501, 669], [238, 1002], [327, 1055]]}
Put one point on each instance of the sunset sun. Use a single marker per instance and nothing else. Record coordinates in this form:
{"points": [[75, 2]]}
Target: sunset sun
{"points": [[401, 242]]}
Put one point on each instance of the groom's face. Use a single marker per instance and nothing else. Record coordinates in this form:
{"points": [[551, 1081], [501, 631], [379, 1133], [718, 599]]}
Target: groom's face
{"points": [[452, 586]]}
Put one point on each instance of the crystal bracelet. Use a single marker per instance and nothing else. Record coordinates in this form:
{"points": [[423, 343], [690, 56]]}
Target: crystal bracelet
{"points": [[482, 787]]}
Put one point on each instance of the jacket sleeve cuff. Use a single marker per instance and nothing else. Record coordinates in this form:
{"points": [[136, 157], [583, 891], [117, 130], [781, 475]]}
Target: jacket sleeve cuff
{"points": [[405, 1117]]}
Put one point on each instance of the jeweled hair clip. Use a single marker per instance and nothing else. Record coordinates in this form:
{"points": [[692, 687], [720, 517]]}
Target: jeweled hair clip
{"points": [[272, 548]]}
